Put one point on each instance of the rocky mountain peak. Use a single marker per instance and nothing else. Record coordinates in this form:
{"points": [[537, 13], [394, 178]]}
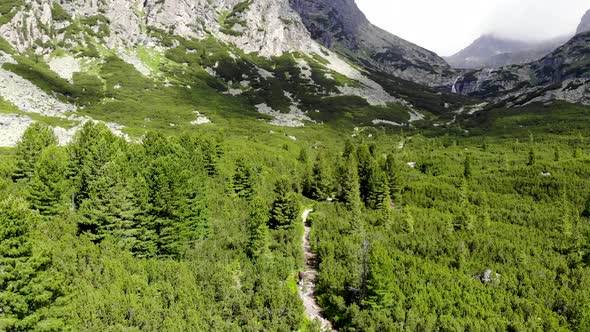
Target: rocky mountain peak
{"points": [[340, 25], [491, 51], [268, 27], [585, 23]]}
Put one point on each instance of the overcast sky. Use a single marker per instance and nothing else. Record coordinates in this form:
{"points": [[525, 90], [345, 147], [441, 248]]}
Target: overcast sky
{"points": [[447, 26]]}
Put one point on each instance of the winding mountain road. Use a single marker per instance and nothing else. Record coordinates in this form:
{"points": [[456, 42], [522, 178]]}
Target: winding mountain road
{"points": [[307, 285]]}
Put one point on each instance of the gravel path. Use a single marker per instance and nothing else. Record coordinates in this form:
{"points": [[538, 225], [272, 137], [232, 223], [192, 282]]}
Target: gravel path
{"points": [[307, 286]]}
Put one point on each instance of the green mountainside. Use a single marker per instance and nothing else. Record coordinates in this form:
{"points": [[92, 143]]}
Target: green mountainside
{"points": [[158, 159]]}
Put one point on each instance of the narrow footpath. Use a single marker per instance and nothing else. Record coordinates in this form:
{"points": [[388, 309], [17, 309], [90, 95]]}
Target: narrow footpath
{"points": [[307, 285]]}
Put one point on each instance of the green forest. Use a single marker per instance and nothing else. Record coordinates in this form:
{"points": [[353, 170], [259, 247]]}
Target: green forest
{"points": [[414, 230]]}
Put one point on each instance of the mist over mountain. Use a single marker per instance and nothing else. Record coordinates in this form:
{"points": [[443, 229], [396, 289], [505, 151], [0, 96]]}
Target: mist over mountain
{"points": [[490, 51], [585, 23]]}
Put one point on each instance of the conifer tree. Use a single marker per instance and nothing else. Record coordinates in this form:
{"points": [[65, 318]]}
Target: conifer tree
{"points": [[349, 149], [382, 293], [111, 208], [258, 232], [243, 180], [28, 150], [394, 178], [27, 286], [349, 189], [467, 167], [285, 208], [321, 185], [366, 163], [378, 195], [93, 146], [47, 190]]}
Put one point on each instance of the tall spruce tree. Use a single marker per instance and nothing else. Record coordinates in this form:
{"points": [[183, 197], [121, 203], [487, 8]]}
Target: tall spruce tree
{"points": [[93, 146], [28, 150], [366, 163], [349, 188], [394, 178], [258, 231], [48, 187], [111, 208], [321, 186], [285, 208], [27, 285], [243, 180]]}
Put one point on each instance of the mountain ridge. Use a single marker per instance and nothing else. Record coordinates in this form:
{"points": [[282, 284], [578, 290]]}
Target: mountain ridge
{"points": [[490, 51]]}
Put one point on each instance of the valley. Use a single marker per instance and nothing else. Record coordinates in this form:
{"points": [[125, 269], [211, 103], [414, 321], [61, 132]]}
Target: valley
{"points": [[227, 165]]}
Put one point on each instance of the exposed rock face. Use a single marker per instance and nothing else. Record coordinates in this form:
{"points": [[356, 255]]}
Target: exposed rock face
{"points": [[268, 27], [563, 74], [490, 51], [585, 23], [340, 25]]}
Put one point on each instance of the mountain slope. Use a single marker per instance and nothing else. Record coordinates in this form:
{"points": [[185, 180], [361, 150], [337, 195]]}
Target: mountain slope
{"points": [[490, 51], [564, 74], [340, 25], [143, 64]]}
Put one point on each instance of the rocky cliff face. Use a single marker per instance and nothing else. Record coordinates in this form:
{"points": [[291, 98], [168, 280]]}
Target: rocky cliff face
{"points": [[563, 74], [585, 23], [490, 51], [268, 27], [340, 25]]}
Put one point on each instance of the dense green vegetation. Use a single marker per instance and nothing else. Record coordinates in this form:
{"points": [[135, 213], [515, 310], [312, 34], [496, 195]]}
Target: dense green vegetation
{"points": [[104, 235], [195, 232]]}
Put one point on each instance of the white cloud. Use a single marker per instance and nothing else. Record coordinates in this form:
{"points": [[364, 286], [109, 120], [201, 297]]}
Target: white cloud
{"points": [[447, 26]]}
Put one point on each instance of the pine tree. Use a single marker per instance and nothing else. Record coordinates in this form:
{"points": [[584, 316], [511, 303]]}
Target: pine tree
{"points": [[174, 207], [366, 163], [349, 149], [467, 167], [378, 189], [258, 232], [349, 192], [111, 208], [47, 190], [382, 292], [27, 287], [93, 146], [28, 150], [394, 179], [285, 208], [243, 180], [321, 185]]}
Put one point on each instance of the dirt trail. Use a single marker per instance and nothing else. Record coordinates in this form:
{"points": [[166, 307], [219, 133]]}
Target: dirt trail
{"points": [[307, 286]]}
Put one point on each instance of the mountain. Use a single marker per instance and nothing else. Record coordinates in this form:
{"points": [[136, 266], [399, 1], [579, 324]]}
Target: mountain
{"points": [[585, 23], [341, 26], [563, 74], [124, 61], [490, 51]]}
